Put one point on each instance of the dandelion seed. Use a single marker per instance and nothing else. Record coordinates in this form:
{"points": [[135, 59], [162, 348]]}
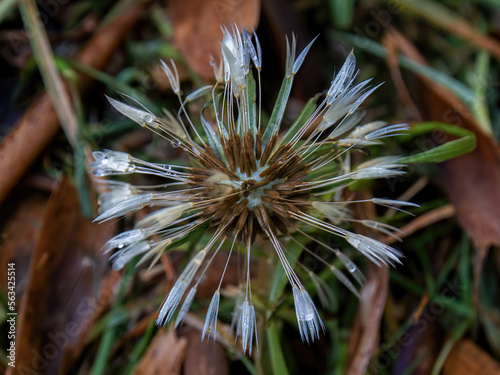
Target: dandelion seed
{"points": [[307, 315], [125, 239], [247, 327], [109, 163], [377, 252], [185, 307], [119, 192], [210, 327], [126, 206], [251, 179]]}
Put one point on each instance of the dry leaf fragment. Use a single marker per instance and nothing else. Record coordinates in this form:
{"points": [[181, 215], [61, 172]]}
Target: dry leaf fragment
{"points": [[197, 31], [204, 357], [65, 269], [364, 338], [19, 236], [164, 356], [467, 358]]}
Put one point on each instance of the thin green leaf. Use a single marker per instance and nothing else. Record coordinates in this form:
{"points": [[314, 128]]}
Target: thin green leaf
{"points": [[278, 363], [449, 150], [480, 83], [108, 338], [341, 12], [44, 57], [301, 119], [456, 334], [6, 8], [278, 110], [140, 348], [249, 365]]}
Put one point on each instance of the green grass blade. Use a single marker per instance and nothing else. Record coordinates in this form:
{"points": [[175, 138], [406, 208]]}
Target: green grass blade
{"points": [[113, 84], [279, 109], [249, 365], [140, 348], [44, 58], [193, 234], [108, 337], [341, 12], [449, 150], [278, 363], [6, 7], [480, 83], [301, 119]]}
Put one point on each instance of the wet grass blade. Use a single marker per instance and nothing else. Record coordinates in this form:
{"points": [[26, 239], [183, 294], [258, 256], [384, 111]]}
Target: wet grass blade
{"points": [[449, 150]]}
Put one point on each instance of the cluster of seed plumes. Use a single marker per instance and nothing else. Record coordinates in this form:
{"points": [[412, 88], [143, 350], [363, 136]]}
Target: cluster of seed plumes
{"points": [[250, 181]]}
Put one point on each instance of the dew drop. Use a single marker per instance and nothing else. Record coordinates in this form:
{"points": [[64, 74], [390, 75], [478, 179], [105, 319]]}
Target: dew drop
{"points": [[148, 119], [167, 169], [175, 143]]}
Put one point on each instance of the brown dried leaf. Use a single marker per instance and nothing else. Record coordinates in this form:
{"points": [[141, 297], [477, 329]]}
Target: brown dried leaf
{"points": [[364, 338], [204, 357], [197, 31], [19, 237], [472, 180], [65, 271], [164, 356], [467, 358]]}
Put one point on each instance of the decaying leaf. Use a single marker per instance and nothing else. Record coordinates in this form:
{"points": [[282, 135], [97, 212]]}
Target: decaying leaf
{"points": [[164, 356], [204, 357], [364, 338], [197, 31], [467, 358], [19, 236], [61, 297]]}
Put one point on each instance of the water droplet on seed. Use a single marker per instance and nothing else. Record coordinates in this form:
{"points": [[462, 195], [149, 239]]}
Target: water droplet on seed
{"points": [[175, 143], [148, 119]]}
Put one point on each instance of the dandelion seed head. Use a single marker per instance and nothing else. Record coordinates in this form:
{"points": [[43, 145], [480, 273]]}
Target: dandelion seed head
{"points": [[250, 179]]}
